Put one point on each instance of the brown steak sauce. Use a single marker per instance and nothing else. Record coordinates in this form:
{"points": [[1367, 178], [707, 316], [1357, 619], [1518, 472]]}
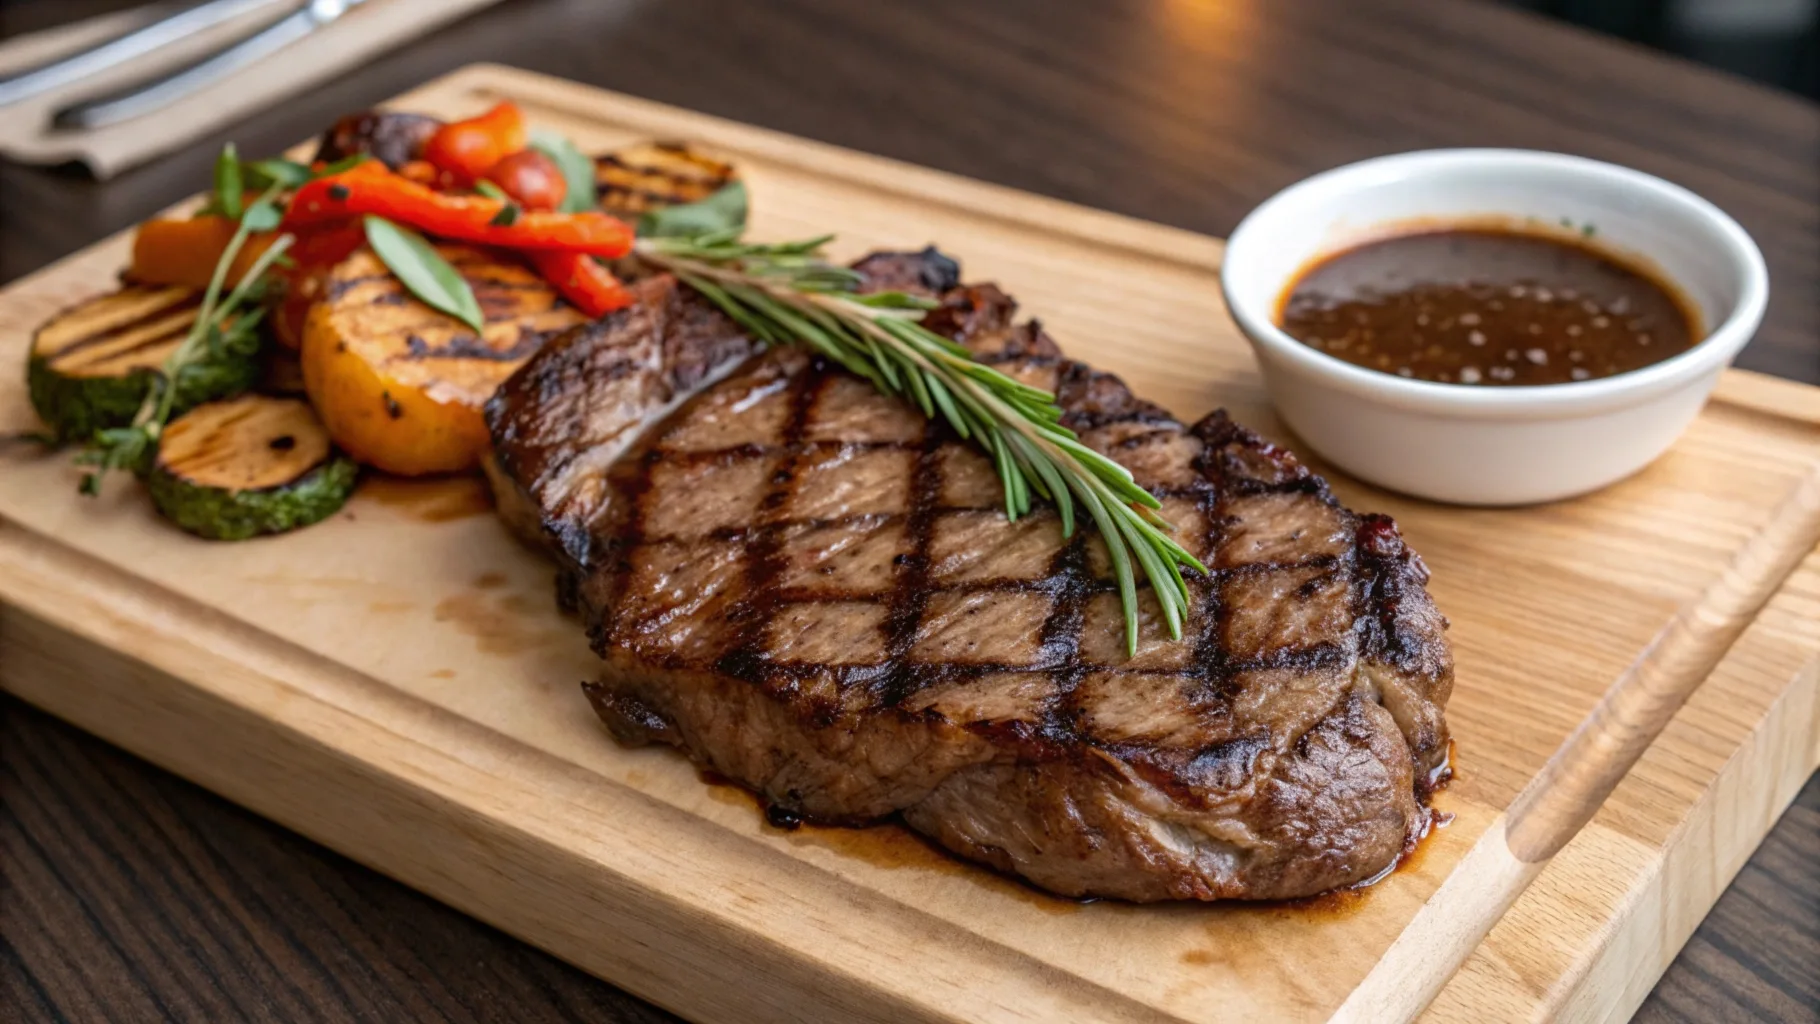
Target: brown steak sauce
{"points": [[1477, 305]]}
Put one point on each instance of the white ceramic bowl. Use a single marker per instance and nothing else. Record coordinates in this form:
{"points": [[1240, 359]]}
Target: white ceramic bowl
{"points": [[1479, 445]]}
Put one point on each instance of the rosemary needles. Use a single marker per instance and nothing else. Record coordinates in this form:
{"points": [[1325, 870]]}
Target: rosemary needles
{"points": [[789, 294]]}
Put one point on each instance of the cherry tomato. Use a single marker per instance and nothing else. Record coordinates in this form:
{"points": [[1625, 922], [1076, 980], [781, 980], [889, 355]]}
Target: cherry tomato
{"points": [[468, 149], [531, 178]]}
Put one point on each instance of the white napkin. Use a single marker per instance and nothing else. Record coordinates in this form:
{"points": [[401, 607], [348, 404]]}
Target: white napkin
{"points": [[358, 35]]}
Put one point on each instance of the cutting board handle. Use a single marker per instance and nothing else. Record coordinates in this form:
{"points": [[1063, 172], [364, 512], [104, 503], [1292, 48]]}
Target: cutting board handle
{"points": [[1574, 782], [1562, 797]]}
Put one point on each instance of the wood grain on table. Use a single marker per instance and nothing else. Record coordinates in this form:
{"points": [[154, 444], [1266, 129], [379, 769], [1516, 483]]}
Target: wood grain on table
{"points": [[123, 888]]}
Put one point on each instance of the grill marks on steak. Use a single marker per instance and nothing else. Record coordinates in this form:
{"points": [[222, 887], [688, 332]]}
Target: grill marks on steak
{"points": [[814, 591]]}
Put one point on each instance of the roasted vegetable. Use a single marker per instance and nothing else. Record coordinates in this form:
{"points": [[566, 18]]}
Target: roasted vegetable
{"points": [[248, 466], [92, 366], [401, 386], [532, 178], [371, 189], [392, 138], [651, 175], [583, 280], [470, 148], [305, 275], [185, 252]]}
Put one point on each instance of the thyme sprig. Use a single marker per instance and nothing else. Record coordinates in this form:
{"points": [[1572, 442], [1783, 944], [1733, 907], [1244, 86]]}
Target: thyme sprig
{"points": [[221, 321], [789, 294]]}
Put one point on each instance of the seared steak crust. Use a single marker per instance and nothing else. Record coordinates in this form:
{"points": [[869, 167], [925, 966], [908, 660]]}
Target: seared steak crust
{"points": [[813, 590], [565, 416]]}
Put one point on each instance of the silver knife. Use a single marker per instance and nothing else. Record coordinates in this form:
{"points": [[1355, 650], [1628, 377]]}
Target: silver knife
{"points": [[23, 85], [146, 97]]}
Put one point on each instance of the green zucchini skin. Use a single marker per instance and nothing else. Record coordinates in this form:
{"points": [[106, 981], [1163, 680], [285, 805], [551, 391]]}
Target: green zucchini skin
{"points": [[75, 408], [217, 513]]}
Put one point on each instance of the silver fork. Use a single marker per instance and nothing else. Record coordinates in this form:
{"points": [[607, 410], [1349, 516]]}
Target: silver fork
{"points": [[145, 97], [36, 81]]}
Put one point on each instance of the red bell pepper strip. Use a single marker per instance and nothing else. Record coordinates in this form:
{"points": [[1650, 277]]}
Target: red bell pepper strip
{"points": [[370, 188], [470, 148], [306, 275], [584, 281]]}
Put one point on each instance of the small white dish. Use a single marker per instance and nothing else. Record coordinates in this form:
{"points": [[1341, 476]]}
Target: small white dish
{"points": [[1484, 445]]}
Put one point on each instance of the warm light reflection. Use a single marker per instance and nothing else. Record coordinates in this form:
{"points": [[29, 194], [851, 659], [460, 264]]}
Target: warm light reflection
{"points": [[1201, 18], [1195, 62]]}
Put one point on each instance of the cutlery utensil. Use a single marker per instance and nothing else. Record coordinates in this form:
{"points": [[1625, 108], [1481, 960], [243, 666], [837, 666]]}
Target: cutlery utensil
{"points": [[146, 97], [36, 81]]}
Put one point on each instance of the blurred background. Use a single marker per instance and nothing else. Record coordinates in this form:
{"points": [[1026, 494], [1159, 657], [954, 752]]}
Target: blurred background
{"points": [[1772, 41]]}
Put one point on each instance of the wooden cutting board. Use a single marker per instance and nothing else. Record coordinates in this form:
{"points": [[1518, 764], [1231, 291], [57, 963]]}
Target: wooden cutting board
{"points": [[396, 683]]}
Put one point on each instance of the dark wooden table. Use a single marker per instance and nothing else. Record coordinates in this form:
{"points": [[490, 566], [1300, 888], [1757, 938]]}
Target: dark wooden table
{"points": [[127, 894]]}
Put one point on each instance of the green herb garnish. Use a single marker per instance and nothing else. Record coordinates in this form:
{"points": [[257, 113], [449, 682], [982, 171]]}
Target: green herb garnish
{"points": [[789, 294], [723, 211], [508, 214], [285, 174], [219, 322], [234, 178], [348, 162], [424, 271], [576, 167], [230, 189]]}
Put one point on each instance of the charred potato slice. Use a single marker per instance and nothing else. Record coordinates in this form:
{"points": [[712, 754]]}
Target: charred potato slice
{"points": [[401, 386], [248, 466], [650, 175], [91, 367]]}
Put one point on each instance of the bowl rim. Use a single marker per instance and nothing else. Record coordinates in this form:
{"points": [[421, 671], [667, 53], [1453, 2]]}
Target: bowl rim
{"points": [[1716, 349]]}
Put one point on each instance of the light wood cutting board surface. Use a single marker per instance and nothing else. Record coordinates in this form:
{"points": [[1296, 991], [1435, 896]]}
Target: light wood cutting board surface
{"points": [[397, 683]]}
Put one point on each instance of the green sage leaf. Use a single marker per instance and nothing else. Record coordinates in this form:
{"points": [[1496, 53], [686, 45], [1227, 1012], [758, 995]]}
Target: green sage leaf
{"points": [[343, 164], [722, 212], [285, 174], [424, 271], [263, 215], [577, 170]]}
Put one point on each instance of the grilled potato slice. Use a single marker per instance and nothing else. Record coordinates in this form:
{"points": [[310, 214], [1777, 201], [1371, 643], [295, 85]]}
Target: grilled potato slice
{"points": [[91, 366], [248, 466], [649, 175], [399, 385]]}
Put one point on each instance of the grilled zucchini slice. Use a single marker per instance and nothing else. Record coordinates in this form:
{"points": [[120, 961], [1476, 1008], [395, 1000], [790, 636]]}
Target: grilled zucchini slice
{"points": [[401, 386], [248, 466], [651, 175], [91, 367]]}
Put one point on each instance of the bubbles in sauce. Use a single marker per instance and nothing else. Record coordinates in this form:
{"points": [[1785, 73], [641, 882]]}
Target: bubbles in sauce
{"points": [[1487, 307]]}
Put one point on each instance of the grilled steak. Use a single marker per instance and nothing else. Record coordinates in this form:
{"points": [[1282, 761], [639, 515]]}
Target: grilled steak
{"points": [[813, 590]]}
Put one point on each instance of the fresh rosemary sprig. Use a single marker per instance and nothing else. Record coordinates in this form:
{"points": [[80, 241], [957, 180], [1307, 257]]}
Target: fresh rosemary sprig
{"points": [[789, 294], [219, 321]]}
